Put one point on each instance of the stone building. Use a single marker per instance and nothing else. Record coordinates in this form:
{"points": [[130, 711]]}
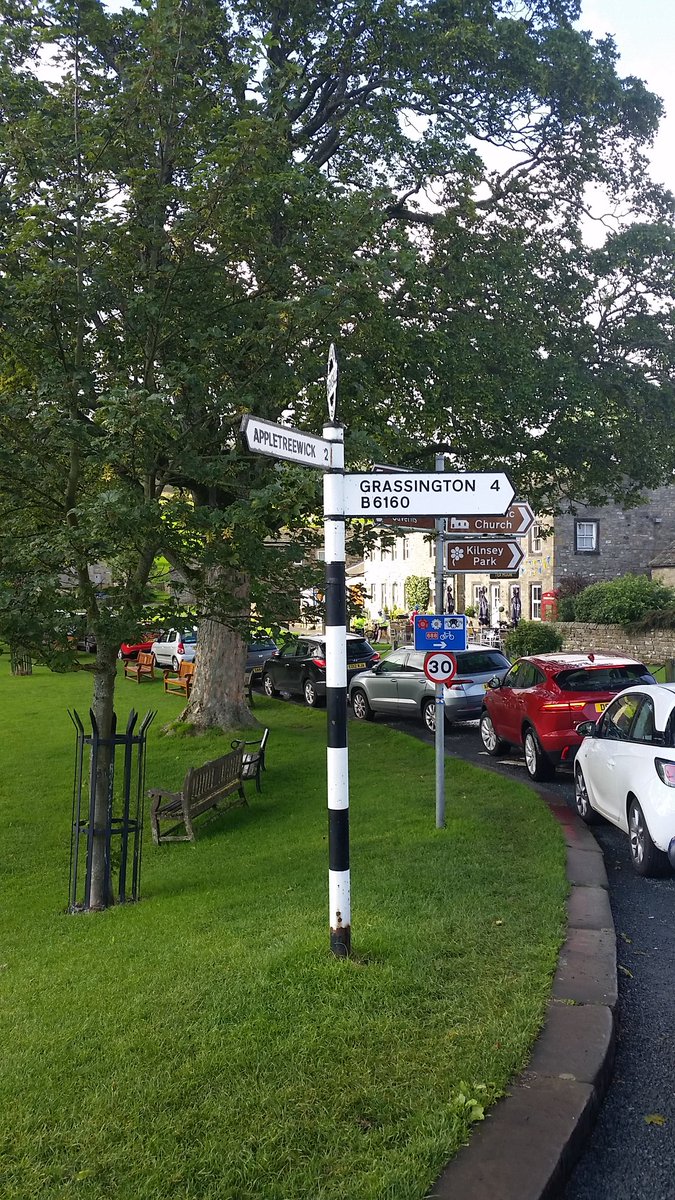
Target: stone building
{"points": [[604, 543]]}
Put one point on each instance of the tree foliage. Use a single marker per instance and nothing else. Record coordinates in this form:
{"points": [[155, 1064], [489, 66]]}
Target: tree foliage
{"points": [[198, 197]]}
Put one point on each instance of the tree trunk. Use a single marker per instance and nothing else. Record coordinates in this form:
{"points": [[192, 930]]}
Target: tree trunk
{"points": [[100, 894], [217, 697]]}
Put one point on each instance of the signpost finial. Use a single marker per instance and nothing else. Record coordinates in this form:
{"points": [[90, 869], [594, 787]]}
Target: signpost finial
{"points": [[332, 382]]}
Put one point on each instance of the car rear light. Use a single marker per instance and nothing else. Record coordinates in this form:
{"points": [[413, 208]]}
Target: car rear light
{"points": [[180, 648], [565, 706], [665, 769], [459, 682], [376, 657], [319, 662]]}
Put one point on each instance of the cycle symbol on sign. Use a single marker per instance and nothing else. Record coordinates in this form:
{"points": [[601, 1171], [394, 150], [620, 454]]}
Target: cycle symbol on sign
{"points": [[440, 666]]}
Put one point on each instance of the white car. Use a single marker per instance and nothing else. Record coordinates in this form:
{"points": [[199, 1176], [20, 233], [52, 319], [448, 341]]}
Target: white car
{"points": [[625, 771], [174, 646]]}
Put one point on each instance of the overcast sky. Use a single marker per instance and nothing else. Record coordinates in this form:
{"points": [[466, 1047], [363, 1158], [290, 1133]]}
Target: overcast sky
{"points": [[644, 32]]}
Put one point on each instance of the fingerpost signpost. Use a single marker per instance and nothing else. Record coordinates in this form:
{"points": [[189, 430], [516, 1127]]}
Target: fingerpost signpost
{"points": [[398, 493]]}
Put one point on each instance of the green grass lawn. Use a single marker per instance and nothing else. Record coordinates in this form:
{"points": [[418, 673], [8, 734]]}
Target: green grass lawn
{"points": [[204, 1043]]}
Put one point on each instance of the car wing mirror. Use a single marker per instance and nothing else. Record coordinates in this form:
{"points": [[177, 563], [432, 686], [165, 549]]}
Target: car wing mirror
{"points": [[587, 729], [494, 683]]}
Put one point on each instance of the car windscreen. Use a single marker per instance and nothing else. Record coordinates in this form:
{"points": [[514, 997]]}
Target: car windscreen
{"points": [[358, 649], [603, 679], [481, 662], [262, 644]]}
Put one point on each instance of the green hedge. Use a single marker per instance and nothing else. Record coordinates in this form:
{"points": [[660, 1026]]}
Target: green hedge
{"points": [[622, 601]]}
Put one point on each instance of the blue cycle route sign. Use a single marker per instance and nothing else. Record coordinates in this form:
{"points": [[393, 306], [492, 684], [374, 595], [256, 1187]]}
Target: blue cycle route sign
{"points": [[443, 632]]}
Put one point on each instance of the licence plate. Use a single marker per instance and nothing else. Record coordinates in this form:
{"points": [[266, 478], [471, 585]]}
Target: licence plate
{"points": [[256, 670], [357, 666], [601, 707]]}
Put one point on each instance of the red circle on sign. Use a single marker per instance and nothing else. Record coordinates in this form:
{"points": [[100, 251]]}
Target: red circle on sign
{"points": [[440, 666]]}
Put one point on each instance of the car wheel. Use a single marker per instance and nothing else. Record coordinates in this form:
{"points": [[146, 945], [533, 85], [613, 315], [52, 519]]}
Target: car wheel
{"points": [[538, 766], [429, 715], [360, 706], [581, 800], [268, 686], [309, 692], [493, 744], [175, 665], [119, 654], [646, 858]]}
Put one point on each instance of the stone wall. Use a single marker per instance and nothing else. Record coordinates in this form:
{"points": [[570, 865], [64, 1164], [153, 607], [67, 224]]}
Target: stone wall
{"points": [[653, 646]]}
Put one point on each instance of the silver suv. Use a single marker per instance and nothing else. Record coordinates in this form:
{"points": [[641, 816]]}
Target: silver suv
{"points": [[398, 686]]}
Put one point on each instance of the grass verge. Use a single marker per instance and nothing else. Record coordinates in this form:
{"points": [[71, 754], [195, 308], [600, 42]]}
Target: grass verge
{"points": [[204, 1043]]}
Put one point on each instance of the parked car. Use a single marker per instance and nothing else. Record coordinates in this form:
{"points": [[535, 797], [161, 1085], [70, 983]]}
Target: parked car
{"points": [[539, 704], [260, 649], [625, 771], [173, 646], [398, 685], [131, 650], [300, 668]]}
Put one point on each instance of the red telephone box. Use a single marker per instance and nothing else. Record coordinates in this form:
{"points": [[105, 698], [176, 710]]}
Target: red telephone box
{"points": [[549, 606]]}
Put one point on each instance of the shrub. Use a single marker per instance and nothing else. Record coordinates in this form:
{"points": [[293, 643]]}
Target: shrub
{"points": [[470, 610], [620, 601], [417, 592], [566, 609], [568, 590], [532, 637]]}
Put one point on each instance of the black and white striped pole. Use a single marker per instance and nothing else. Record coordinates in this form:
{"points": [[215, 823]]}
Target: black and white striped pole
{"points": [[337, 765]]}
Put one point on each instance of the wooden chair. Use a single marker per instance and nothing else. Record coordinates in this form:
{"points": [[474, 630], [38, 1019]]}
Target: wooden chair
{"points": [[142, 668], [181, 683]]}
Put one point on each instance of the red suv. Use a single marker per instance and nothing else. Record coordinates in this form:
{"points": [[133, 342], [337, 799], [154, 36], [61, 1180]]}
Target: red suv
{"points": [[542, 699]]}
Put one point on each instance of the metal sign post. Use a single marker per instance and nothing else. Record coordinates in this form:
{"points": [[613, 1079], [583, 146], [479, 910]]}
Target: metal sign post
{"points": [[439, 735], [337, 760]]}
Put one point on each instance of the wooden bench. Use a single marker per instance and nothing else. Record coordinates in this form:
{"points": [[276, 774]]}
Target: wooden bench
{"points": [[142, 668], [203, 788], [254, 758], [182, 682]]}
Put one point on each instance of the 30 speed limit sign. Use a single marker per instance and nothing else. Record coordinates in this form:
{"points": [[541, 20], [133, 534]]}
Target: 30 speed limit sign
{"points": [[440, 666]]}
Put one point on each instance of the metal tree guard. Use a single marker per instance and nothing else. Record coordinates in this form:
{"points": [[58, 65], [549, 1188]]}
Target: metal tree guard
{"points": [[124, 811]]}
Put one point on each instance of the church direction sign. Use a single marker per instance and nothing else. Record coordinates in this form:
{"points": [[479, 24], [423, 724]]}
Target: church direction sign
{"points": [[514, 523]]}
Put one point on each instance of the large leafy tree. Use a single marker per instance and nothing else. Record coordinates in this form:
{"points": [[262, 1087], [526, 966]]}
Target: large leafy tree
{"points": [[197, 197]]}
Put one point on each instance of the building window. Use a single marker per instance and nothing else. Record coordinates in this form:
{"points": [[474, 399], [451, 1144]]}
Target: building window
{"points": [[383, 553], [394, 551], [586, 537], [394, 596], [383, 596], [535, 601], [535, 539], [405, 548], [476, 596]]}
